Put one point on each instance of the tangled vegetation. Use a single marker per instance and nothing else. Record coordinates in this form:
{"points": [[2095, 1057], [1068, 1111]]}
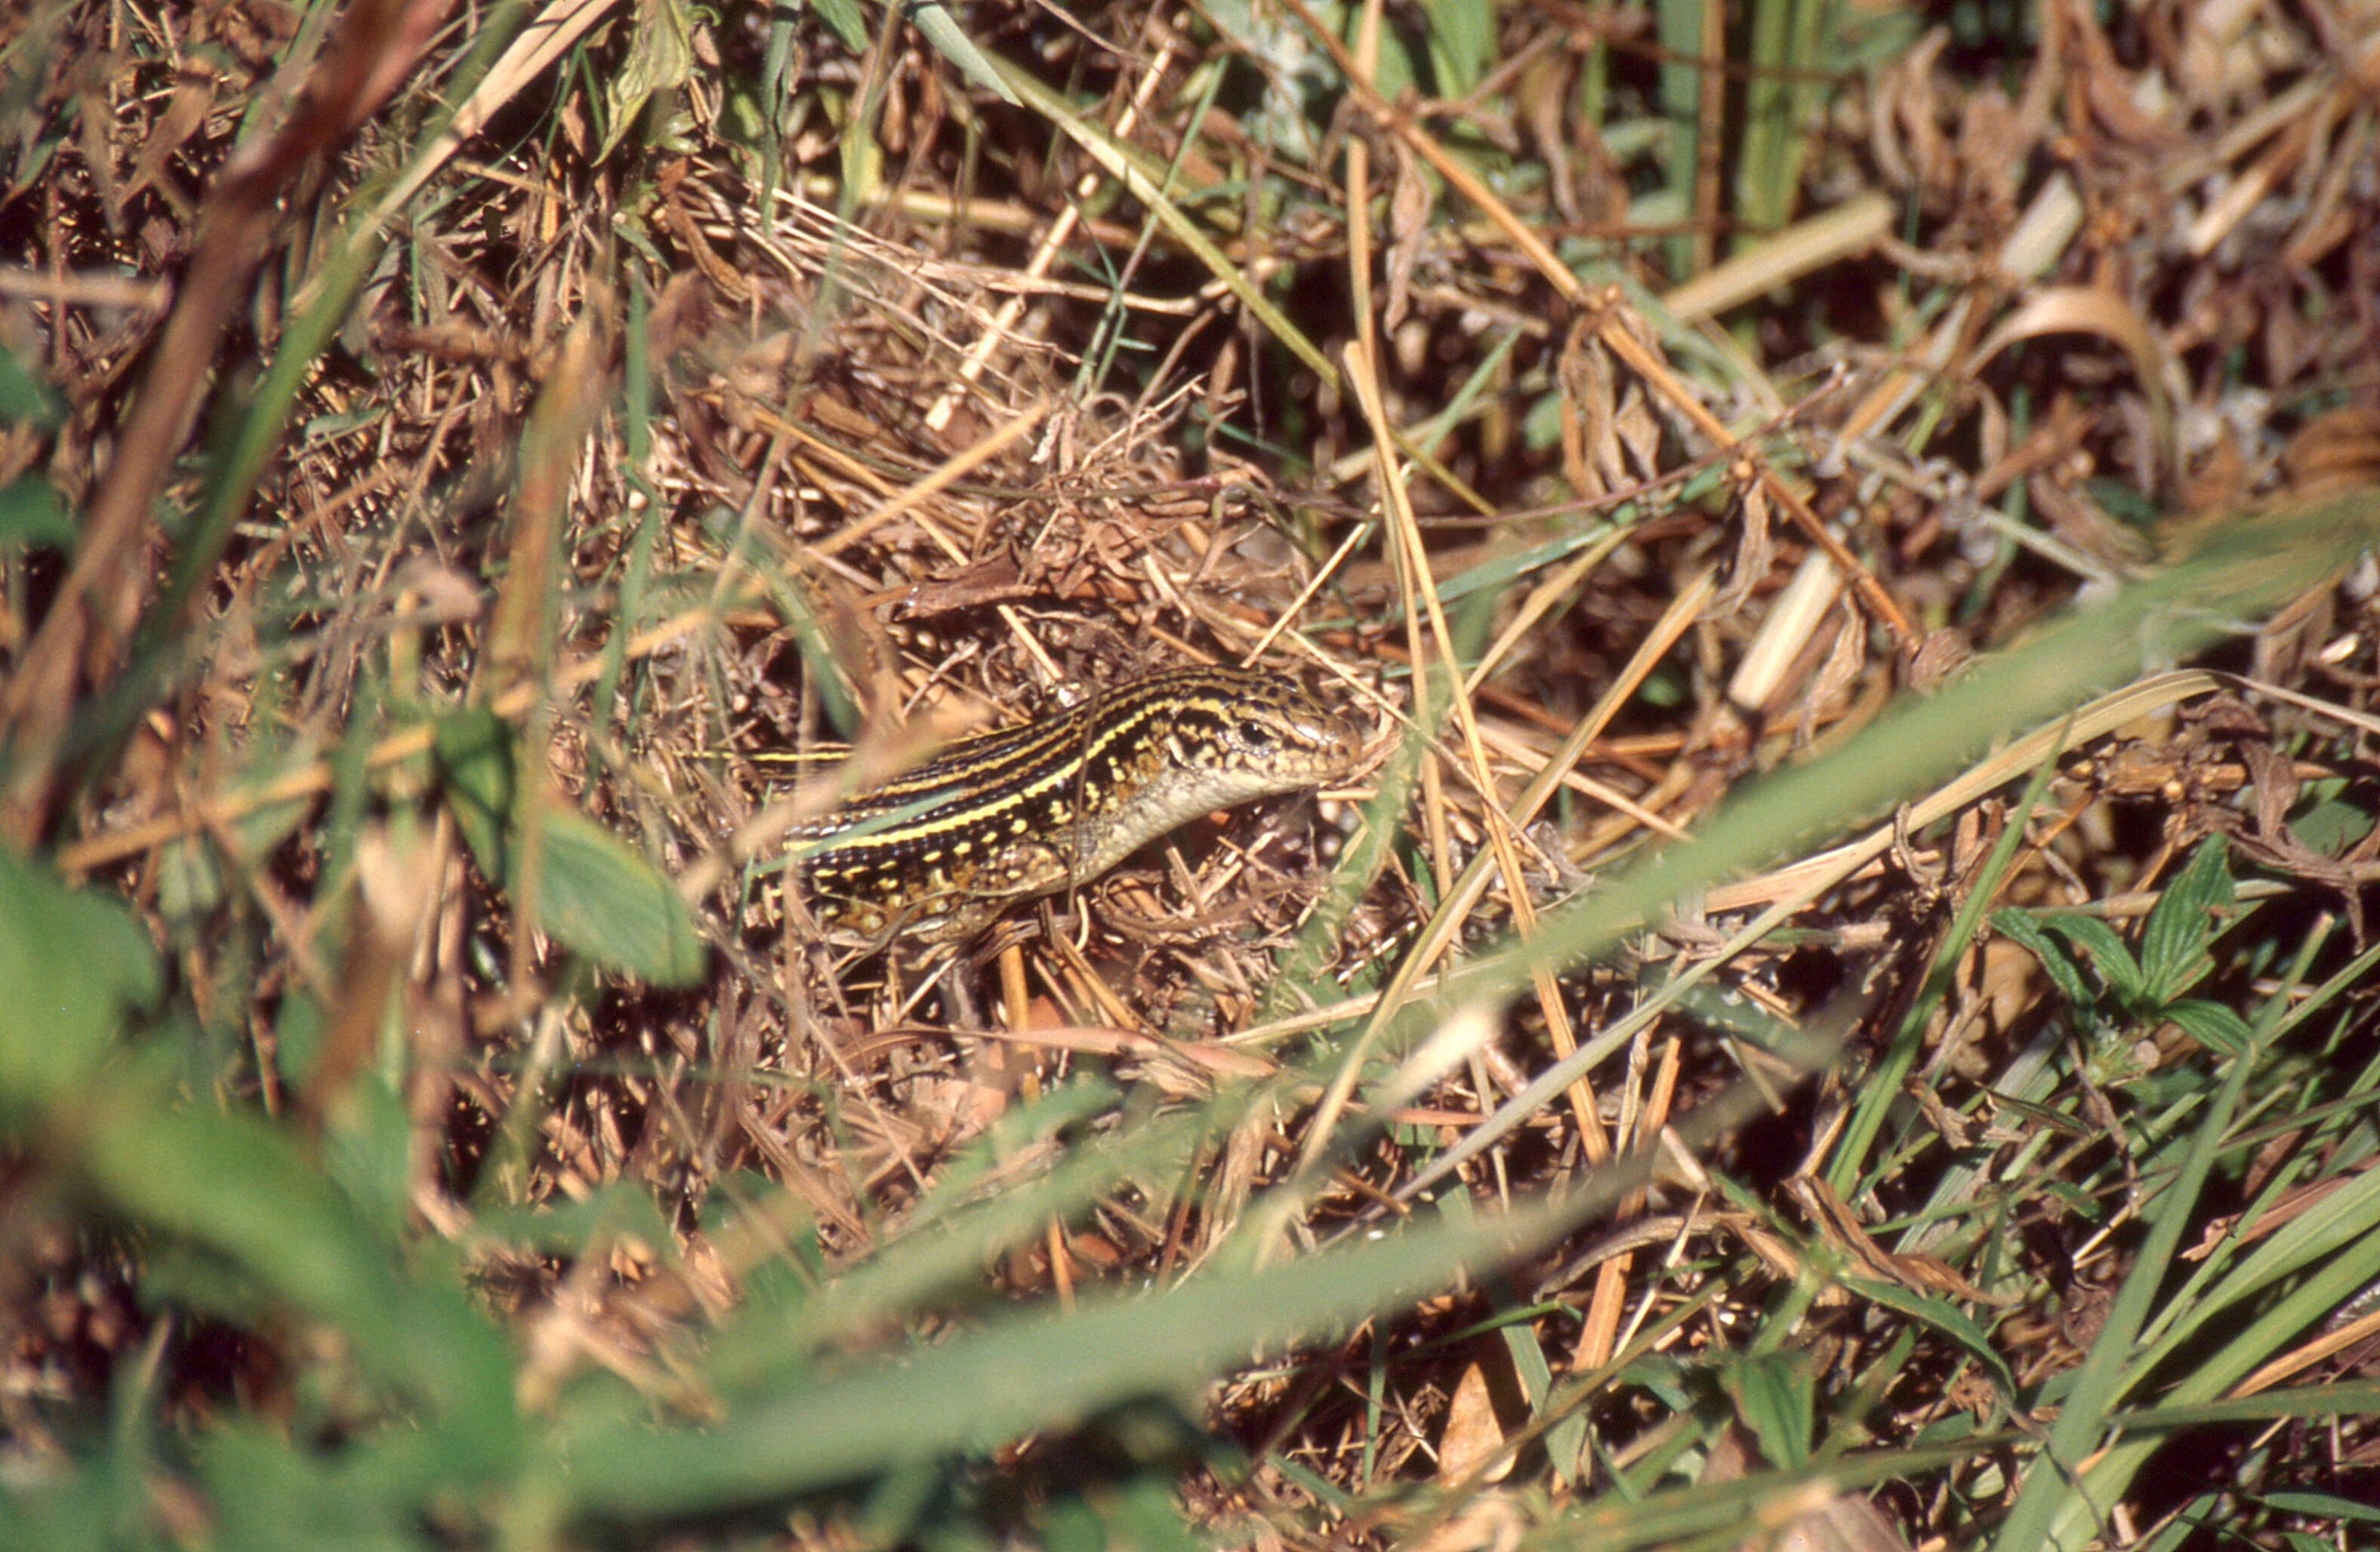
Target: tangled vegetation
{"points": [[1836, 1010]]}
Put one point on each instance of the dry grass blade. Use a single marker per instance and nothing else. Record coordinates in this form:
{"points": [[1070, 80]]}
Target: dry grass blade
{"points": [[88, 630], [1819, 518]]}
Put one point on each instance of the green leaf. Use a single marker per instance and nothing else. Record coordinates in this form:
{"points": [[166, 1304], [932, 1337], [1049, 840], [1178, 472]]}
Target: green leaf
{"points": [[2212, 1024], [25, 395], [597, 896], [2105, 950], [2332, 825], [74, 962], [2062, 1497], [1773, 1398], [594, 894], [943, 32], [300, 1032], [1945, 1318], [606, 1215], [850, 27], [2193, 909], [235, 1185], [269, 1497], [1023, 1372], [2329, 1506], [1462, 42], [2023, 929], [78, 1511], [474, 754], [189, 883], [33, 517], [659, 59]]}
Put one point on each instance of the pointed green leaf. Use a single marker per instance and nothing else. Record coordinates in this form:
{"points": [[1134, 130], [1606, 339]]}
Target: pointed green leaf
{"points": [[943, 32], [2105, 950], [2187, 916], [474, 753], [33, 517], [2023, 929], [1772, 1396], [1462, 43], [1945, 1318], [660, 59], [26, 394], [2333, 824], [73, 961], [1026, 1371], [2212, 1024], [850, 27], [597, 896]]}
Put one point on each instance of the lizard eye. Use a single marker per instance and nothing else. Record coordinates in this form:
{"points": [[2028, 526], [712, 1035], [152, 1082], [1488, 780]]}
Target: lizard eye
{"points": [[1256, 736]]}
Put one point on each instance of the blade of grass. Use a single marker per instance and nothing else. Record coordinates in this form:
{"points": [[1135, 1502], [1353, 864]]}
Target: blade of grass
{"points": [[1908, 747], [1146, 184], [2063, 1498], [1883, 1090], [1042, 1370]]}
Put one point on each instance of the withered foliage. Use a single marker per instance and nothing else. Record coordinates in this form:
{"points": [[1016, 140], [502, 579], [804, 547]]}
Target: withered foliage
{"points": [[670, 428]]}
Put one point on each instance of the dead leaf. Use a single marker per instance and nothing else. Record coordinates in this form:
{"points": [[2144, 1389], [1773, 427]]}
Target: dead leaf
{"points": [[1472, 1438]]}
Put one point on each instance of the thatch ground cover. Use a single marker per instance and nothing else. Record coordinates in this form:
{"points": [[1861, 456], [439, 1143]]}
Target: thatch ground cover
{"points": [[1838, 1004]]}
